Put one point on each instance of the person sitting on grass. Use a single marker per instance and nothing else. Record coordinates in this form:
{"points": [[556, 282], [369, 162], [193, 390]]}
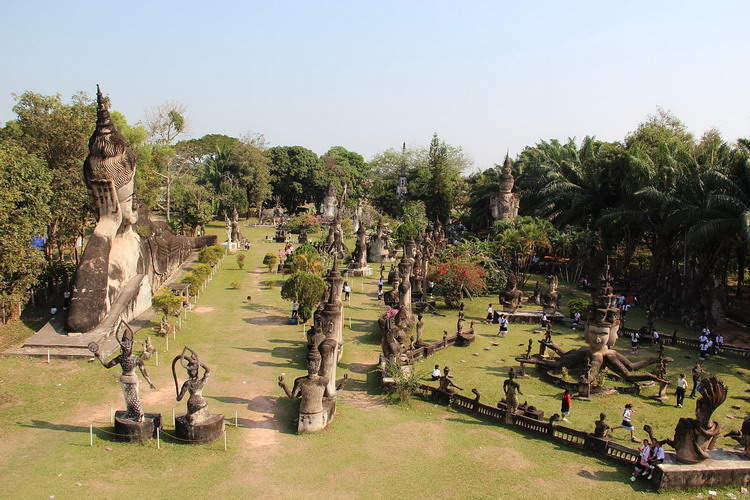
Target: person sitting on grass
{"points": [[436, 373], [641, 467]]}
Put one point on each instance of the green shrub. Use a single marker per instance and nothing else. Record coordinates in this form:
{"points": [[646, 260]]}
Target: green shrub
{"points": [[304, 222], [241, 260], [211, 255], [235, 285], [166, 302], [305, 289], [578, 305], [270, 260], [406, 383], [194, 283], [306, 259]]}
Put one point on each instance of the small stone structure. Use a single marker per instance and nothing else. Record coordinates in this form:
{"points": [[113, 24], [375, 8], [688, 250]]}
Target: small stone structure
{"points": [[504, 204]]}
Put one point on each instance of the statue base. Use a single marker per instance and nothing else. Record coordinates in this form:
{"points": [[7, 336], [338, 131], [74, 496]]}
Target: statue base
{"points": [[360, 271], [722, 468], [204, 432], [316, 422], [136, 432]]}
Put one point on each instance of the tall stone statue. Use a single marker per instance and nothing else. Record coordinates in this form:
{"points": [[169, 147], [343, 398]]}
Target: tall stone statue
{"points": [[379, 245], [328, 208], [358, 265], [504, 205], [694, 437], [130, 424], [550, 297], [236, 235], [128, 256], [510, 388], [197, 425]]}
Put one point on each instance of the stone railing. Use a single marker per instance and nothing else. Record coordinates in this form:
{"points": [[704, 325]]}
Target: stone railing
{"points": [[560, 434]]}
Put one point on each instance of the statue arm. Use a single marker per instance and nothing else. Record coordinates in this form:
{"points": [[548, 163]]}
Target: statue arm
{"points": [[183, 390], [144, 372], [109, 364]]}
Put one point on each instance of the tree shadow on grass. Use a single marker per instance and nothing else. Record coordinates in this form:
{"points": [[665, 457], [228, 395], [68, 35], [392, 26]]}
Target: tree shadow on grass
{"points": [[287, 341], [281, 409], [254, 349], [268, 320]]}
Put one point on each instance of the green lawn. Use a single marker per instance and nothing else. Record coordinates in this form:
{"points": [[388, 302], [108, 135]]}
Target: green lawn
{"points": [[371, 450]]}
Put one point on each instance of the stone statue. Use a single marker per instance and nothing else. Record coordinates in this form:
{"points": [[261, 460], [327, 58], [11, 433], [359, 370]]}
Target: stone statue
{"points": [[128, 363], [235, 224], [379, 245], [446, 384], [504, 204], [464, 338], [528, 349], [328, 208], [197, 407], [510, 388], [510, 298], [742, 436], [358, 266], [228, 227], [601, 428], [694, 437], [550, 297], [317, 405], [536, 295], [601, 334], [460, 322], [420, 329], [128, 256]]}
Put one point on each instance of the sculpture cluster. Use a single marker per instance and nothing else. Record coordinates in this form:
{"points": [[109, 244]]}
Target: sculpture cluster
{"points": [[317, 390]]}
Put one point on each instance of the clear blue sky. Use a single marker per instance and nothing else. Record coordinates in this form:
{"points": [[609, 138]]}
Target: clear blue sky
{"points": [[487, 76]]}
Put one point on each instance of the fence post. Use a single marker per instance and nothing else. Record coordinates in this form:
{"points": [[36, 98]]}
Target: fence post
{"points": [[91, 434], [158, 440], [225, 438], [157, 357]]}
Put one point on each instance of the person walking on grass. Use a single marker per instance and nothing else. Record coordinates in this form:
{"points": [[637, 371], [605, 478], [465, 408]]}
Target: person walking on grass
{"points": [[627, 421], [635, 337], [490, 314], [681, 389], [347, 290], [697, 375], [503, 329], [567, 398]]}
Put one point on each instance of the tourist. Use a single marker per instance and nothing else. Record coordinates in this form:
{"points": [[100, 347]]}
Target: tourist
{"points": [[697, 374], [565, 405], [718, 343], [380, 293], [634, 340], [53, 310], [503, 329], [295, 309], [347, 290], [655, 337], [380, 283], [641, 468], [576, 320], [490, 314], [436, 373], [66, 300], [704, 349], [627, 421], [545, 320], [656, 457], [680, 389], [703, 337]]}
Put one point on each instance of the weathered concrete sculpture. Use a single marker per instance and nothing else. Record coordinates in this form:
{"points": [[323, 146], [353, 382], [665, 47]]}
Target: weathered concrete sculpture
{"points": [[317, 402], [601, 334], [550, 297], [510, 298], [358, 265], [742, 436], [694, 437], [504, 205], [132, 424], [128, 256], [329, 206], [332, 308], [197, 425], [510, 388], [446, 384], [379, 246]]}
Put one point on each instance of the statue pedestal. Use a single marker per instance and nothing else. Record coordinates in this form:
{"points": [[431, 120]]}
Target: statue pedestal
{"points": [[521, 371], [204, 432], [136, 432], [722, 468], [360, 271]]}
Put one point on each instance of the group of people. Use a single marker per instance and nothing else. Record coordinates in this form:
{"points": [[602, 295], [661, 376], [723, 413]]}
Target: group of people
{"points": [[709, 343], [495, 316], [651, 454]]}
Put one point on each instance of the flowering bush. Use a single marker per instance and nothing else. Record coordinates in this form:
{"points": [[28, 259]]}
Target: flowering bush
{"points": [[456, 278]]}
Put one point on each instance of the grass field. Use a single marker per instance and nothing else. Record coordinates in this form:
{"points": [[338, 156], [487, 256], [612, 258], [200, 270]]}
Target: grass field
{"points": [[371, 450]]}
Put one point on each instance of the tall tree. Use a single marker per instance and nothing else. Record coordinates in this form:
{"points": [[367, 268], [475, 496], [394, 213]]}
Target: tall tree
{"points": [[297, 175]]}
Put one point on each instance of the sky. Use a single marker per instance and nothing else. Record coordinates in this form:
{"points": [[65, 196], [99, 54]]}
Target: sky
{"points": [[486, 76]]}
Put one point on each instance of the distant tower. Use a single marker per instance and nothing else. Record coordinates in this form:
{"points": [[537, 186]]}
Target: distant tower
{"points": [[401, 190], [504, 205]]}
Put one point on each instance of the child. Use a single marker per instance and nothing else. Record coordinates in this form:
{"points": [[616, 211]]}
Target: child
{"points": [[634, 338], [641, 468], [295, 309], [657, 457], [490, 314], [380, 293], [347, 290], [680, 390], [565, 406], [503, 326], [627, 421], [545, 320], [436, 373]]}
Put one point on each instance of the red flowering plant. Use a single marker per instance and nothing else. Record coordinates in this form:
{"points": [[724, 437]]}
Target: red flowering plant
{"points": [[456, 278]]}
